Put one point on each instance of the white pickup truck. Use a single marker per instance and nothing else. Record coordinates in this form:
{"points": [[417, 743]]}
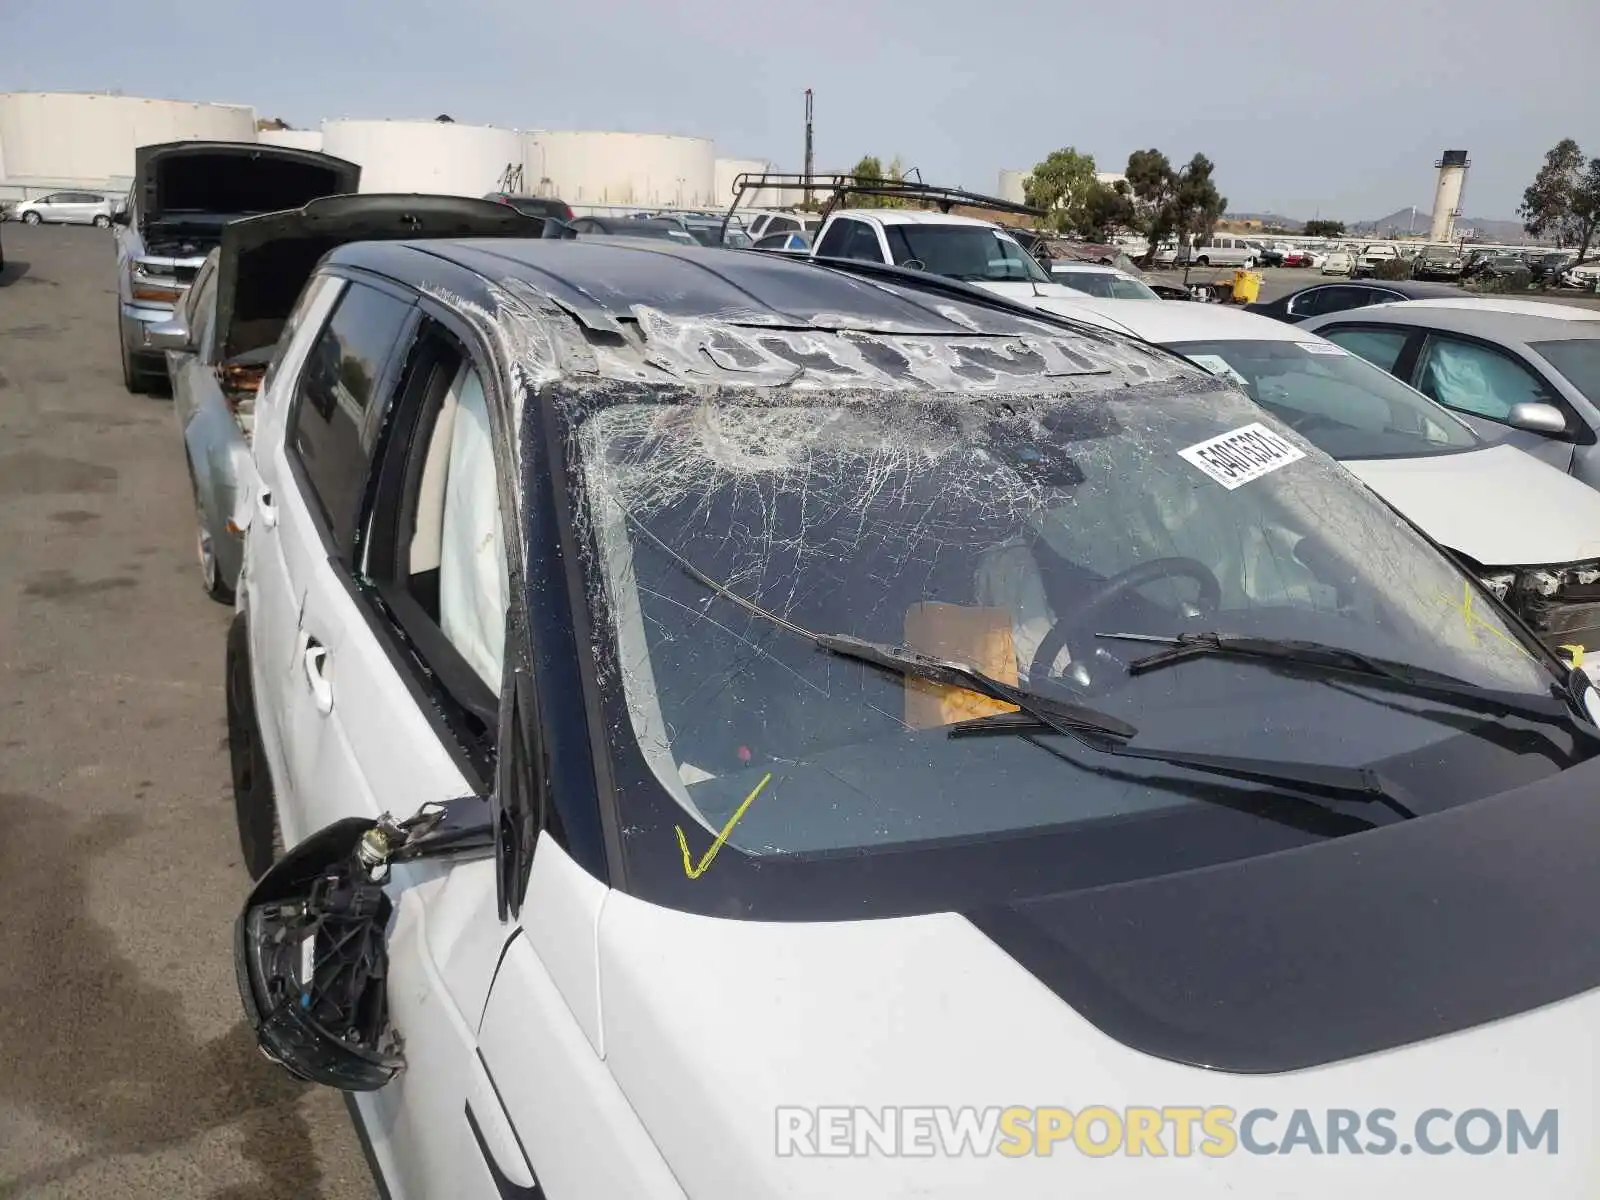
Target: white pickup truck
{"points": [[963, 248]]}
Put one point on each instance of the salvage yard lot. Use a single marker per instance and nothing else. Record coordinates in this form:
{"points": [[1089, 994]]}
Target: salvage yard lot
{"points": [[125, 1066]]}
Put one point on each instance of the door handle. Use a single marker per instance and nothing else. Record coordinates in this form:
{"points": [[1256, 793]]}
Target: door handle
{"points": [[315, 661], [268, 509]]}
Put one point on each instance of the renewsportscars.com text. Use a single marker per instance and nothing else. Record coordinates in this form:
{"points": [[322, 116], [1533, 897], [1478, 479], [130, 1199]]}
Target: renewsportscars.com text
{"points": [[1160, 1132]]}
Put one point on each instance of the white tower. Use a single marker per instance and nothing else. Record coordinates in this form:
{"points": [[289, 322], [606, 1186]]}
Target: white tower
{"points": [[1452, 166]]}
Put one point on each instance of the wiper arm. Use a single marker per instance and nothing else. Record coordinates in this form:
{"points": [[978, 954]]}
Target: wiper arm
{"points": [[1347, 783], [1320, 658], [1063, 717]]}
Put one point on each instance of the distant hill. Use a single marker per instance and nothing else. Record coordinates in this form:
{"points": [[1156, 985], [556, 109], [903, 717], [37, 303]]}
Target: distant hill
{"points": [[1274, 219], [1402, 220]]}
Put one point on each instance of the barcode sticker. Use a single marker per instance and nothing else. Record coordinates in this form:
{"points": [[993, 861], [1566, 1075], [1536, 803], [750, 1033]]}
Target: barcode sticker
{"points": [[1235, 458]]}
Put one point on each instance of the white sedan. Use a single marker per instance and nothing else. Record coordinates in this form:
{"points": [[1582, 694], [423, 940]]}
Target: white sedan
{"points": [[1338, 262], [1533, 530]]}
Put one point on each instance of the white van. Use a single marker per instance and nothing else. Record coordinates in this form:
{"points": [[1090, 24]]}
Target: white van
{"points": [[1222, 250]]}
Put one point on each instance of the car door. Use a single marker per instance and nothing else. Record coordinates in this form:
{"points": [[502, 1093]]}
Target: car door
{"points": [[397, 675], [271, 597], [1483, 382]]}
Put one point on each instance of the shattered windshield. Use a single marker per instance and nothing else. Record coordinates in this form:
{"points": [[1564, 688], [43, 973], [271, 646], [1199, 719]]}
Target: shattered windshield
{"points": [[970, 526]]}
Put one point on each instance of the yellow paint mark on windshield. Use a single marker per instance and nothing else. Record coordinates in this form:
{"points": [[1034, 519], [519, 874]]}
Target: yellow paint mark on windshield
{"points": [[1473, 622], [694, 872]]}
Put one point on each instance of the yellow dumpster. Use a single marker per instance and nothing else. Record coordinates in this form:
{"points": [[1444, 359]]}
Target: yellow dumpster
{"points": [[1246, 286]]}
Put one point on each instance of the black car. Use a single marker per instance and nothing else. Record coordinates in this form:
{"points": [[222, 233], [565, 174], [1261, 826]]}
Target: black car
{"points": [[1322, 298], [1438, 262], [1495, 266], [1547, 267], [547, 207]]}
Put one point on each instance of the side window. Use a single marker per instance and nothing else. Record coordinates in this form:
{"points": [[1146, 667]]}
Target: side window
{"points": [[1380, 347], [863, 243], [1308, 303], [336, 385], [438, 553], [1336, 299], [836, 239], [1477, 379], [782, 225], [203, 311]]}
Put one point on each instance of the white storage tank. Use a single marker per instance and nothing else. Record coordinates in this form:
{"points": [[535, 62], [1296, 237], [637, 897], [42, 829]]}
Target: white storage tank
{"points": [[643, 169], [295, 139], [729, 169], [1013, 186], [443, 157], [87, 139]]}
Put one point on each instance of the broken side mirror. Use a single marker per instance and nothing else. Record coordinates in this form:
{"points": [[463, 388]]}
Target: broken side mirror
{"points": [[1537, 418], [310, 947], [169, 335], [119, 216]]}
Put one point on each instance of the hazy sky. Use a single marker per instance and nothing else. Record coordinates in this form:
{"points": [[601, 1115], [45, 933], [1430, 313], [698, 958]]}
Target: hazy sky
{"points": [[1337, 106]]}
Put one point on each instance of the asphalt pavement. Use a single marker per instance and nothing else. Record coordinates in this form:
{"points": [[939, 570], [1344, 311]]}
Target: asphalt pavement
{"points": [[126, 1069]]}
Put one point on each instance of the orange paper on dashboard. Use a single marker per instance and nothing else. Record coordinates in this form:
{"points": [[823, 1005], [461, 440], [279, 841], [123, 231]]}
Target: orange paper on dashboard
{"points": [[978, 636]]}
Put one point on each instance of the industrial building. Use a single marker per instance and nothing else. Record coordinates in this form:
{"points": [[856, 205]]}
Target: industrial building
{"points": [[55, 141]]}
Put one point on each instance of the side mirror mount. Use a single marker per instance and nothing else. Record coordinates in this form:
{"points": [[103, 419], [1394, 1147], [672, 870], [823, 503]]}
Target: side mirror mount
{"points": [[119, 216], [310, 945], [1537, 418], [170, 335]]}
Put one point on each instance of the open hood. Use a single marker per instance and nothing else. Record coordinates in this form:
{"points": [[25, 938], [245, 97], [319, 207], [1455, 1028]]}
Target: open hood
{"points": [[264, 261], [199, 180]]}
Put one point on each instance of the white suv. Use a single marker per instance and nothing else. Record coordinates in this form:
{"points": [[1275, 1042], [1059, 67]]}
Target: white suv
{"points": [[691, 687]]}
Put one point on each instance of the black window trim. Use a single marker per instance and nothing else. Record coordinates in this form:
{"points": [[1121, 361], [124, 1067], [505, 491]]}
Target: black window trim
{"points": [[1578, 432], [445, 688]]}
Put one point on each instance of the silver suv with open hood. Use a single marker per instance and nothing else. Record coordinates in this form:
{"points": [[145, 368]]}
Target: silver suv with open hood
{"points": [[183, 194], [226, 338]]}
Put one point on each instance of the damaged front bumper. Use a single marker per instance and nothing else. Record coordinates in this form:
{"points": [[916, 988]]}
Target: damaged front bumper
{"points": [[1559, 603]]}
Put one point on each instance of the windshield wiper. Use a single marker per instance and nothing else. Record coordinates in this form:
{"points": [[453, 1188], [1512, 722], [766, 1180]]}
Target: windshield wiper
{"points": [[1063, 717], [1348, 783], [1089, 727], [1320, 658]]}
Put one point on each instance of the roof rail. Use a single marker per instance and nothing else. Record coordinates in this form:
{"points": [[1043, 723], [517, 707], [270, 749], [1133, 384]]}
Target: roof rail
{"points": [[838, 187]]}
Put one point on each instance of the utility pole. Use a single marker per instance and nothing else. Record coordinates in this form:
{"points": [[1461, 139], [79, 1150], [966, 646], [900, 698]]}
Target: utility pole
{"points": [[810, 164]]}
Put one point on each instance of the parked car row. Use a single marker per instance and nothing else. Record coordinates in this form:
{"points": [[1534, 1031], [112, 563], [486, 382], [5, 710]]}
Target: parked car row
{"points": [[633, 637]]}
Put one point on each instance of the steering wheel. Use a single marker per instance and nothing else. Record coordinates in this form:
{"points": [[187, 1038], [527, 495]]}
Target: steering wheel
{"points": [[1305, 421], [1135, 577]]}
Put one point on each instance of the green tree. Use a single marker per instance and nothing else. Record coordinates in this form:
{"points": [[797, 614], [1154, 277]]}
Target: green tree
{"points": [[1152, 182], [1547, 202], [1106, 208], [1324, 229], [870, 169], [1196, 204], [1564, 197], [1061, 185]]}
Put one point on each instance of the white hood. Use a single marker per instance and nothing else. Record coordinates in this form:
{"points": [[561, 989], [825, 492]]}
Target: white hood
{"points": [[1059, 299], [712, 1025], [1499, 506]]}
